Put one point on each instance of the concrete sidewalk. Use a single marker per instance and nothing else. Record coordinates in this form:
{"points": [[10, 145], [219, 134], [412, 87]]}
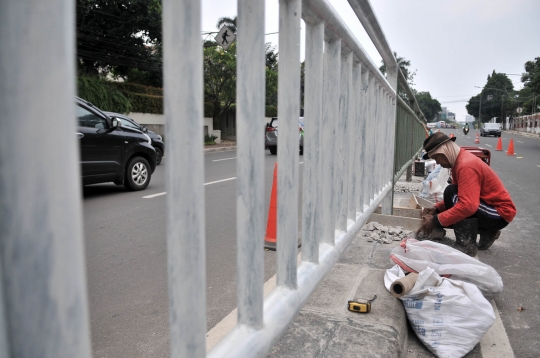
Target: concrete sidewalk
{"points": [[324, 326]]}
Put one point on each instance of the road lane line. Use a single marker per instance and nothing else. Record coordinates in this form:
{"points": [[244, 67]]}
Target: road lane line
{"points": [[154, 195], [519, 141], [209, 183], [219, 160], [488, 145], [219, 181]]}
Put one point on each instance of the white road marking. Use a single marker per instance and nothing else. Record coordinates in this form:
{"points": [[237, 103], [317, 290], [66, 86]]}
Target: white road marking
{"points": [[154, 195], [219, 181], [488, 145], [495, 342], [209, 183], [519, 141], [219, 160]]}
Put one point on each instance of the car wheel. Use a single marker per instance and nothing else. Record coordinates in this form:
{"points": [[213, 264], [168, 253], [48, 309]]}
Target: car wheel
{"points": [[137, 174], [159, 155], [273, 150]]}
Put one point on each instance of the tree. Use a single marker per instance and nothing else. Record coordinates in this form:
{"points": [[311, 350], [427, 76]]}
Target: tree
{"points": [[404, 65], [220, 80], [230, 22], [118, 35], [531, 83], [429, 106], [497, 93]]}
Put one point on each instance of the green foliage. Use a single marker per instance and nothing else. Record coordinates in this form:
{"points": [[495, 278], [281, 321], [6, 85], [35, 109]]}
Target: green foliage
{"points": [[120, 96], [210, 139], [429, 106], [404, 65], [531, 78], [270, 111], [102, 94], [496, 94], [219, 80], [118, 35], [230, 22], [144, 103]]}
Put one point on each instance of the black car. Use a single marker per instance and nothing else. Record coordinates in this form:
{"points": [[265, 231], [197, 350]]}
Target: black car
{"points": [[111, 153], [157, 140]]}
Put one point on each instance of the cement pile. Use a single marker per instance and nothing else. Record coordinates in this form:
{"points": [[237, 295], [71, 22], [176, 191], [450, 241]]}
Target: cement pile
{"points": [[374, 231]]}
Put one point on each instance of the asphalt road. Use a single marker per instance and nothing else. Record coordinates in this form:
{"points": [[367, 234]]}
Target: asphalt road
{"points": [[125, 237], [515, 254]]}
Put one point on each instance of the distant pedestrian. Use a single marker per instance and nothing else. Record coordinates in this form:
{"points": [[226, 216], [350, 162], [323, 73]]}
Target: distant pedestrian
{"points": [[475, 203]]}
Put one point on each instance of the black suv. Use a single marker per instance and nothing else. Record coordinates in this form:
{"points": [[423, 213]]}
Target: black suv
{"points": [[111, 153], [157, 140]]}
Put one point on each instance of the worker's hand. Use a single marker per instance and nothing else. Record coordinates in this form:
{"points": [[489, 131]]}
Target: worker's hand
{"points": [[428, 224], [429, 211]]}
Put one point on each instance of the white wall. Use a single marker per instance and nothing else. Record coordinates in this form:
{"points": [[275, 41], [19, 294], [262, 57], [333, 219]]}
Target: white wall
{"points": [[147, 119]]}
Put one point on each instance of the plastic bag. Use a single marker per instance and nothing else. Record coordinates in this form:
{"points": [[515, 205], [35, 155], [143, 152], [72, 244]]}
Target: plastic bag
{"points": [[414, 256], [435, 183], [449, 316]]}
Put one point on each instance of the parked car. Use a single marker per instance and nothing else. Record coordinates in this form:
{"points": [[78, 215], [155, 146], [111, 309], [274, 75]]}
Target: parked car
{"points": [[490, 129], [157, 140], [110, 152], [271, 135]]}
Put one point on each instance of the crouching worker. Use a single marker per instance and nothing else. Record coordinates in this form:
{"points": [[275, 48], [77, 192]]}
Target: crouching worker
{"points": [[475, 203]]}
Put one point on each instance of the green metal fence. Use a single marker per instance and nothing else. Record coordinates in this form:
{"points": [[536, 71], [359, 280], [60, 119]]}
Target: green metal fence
{"points": [[410, 134]]}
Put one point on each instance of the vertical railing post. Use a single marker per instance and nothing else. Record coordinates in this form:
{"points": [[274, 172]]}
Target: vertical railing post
{"points": [[342, 142], [332, 64], [183, 79], [355, 147], [313, 99], [250, 98], [370, 140], [288, 149], [43, 293], [392, 77], [361, 113]]}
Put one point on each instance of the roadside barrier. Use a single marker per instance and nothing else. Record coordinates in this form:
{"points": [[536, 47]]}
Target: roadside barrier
{"points": [[499, 144], [270, 239], [352, 157], [511, 147]]}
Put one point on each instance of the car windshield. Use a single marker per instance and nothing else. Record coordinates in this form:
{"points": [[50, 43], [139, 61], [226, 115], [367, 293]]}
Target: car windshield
{"points": [[491, 126]]}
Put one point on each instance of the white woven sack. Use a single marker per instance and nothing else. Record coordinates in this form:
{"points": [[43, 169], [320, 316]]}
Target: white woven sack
{"points": [[414, 256], [449, 316]]}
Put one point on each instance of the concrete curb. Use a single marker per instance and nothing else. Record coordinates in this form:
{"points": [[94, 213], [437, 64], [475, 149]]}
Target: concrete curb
{"points": [[524, 134], [220, 149]]}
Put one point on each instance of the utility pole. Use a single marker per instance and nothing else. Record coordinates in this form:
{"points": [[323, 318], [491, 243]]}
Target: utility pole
{"points": [[480, 111]]}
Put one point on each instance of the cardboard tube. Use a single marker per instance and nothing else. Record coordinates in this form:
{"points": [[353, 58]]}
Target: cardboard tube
{"points": [[403, 285]]}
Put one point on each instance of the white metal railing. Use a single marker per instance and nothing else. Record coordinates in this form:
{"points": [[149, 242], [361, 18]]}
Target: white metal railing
{"points": [[348, 171]]}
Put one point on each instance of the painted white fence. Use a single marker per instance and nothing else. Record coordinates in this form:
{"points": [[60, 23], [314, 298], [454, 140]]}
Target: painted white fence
{"points": [[348, 171]]}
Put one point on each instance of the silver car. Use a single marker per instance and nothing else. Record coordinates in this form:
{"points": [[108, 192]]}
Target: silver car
{"points": [[490, 129], [271, 135]]}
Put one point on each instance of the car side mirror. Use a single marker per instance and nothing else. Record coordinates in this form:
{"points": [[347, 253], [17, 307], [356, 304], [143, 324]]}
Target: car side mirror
{"points": [[115, 122], [145, 130]]}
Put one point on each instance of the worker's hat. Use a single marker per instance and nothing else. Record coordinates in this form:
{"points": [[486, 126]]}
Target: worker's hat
{"points": [[434, 141]]}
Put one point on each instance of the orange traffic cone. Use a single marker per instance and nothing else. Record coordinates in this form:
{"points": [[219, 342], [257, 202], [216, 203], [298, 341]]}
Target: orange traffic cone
{"points": [[499, 144], [510, 147], [477, 140], [270, 239]]}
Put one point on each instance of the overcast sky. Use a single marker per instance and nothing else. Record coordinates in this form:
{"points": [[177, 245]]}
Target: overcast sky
{"points": [[452, 44]]}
